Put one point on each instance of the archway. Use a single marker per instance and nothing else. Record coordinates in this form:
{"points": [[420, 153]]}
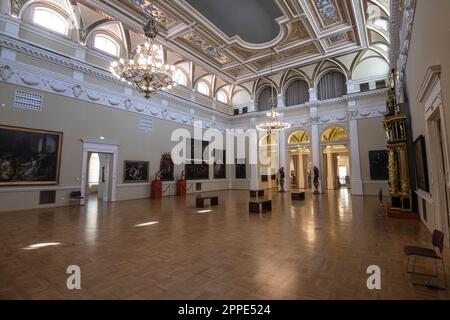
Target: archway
{"points": [[335, 158], [299, 147]]}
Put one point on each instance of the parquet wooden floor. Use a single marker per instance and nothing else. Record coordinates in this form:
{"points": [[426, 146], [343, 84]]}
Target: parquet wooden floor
{"points": [[317, 249]]}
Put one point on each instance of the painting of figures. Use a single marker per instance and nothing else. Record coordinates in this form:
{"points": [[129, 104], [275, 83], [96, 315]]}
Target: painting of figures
{"points": [[29, 156]]}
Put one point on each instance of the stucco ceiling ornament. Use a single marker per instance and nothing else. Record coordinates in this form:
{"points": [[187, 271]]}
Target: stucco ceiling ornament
{"points": [[6, 72]]}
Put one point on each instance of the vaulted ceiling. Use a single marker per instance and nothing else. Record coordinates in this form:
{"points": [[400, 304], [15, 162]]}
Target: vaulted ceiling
{"points": [[241, 40], [237, 38]]}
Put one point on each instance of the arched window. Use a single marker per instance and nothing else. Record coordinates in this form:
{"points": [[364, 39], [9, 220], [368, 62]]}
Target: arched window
{"points": [[297, 93], [332, 85], [264, 98], [179, 77], [299, 137], [51, 20], [203, 88], [106, 44], [334, 134], [222, 97]]}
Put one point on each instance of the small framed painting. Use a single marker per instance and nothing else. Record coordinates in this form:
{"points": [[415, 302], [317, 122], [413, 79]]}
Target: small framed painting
{"points": [[135, 171]]}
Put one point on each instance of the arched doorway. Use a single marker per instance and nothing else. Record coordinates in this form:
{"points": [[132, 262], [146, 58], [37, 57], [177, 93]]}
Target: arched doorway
{"points": [[299, 146], [335, 158]]}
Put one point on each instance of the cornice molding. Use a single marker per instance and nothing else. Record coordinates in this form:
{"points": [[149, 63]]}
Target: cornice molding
{"points": [[43, 80], [60, 60]]}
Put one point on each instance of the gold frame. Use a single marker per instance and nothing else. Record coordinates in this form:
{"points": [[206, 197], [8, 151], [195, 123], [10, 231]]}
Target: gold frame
{"points": [[135, 181], [58, 160]]}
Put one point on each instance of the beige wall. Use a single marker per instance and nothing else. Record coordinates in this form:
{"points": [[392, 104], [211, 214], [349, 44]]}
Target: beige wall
{"points": [[371, 138], [83, 120], [430, 45]]}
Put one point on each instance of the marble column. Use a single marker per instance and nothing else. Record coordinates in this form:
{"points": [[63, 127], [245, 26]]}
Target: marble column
{"points": [[331, 171], [355, 161], [300, 172]]}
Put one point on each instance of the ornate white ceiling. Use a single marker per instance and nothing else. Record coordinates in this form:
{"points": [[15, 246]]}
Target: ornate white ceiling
{"points": [[217, 36], [308, 31]]}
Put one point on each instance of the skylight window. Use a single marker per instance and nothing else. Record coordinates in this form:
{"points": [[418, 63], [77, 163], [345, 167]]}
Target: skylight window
{"points": [[106, 44], [51, 20]]}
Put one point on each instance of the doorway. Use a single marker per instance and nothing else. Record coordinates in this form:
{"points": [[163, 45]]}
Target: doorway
{"points": [[300, 160], [98, 171], [439, 170], [99, 176]]}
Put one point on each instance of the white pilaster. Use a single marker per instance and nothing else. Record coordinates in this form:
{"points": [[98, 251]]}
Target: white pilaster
{"points": [[315, 150], [300, 172], [355, 161], [280, 101], [312, 95], [12, 29], [5, 7], [80, 53], [252, 106], [284, 161], [254, 160], [352, 87], [331, 172]]}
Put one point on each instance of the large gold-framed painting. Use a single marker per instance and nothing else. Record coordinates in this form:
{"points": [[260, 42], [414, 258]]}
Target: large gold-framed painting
{"points": [[29, 156]]}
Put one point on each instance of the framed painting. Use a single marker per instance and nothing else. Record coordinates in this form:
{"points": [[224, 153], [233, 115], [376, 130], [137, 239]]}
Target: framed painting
{"points": [[420, 159], [29, 156], [379, 165], [135, 171], [196, 168]]}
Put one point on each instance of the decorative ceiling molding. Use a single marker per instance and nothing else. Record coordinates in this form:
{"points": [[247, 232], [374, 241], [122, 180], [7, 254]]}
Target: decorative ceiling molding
{"points": [[310, 30], [401, 29]]}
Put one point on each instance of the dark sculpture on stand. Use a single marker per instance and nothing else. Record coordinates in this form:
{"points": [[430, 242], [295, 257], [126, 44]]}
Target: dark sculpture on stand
{"points": [[282, 176], [166, 167], [316, 180], [395, 127]]}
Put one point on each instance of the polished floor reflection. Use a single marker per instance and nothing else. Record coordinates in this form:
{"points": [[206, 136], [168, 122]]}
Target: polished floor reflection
{"points": [[167, 249]]}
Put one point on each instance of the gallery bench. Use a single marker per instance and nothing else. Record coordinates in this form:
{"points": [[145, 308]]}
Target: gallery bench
{"points": [[200, 201], [259, 206], [256, 193], [298, 196]]}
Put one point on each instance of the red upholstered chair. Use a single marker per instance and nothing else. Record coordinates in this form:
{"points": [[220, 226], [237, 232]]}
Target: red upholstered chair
{"points": [[435, 253]]}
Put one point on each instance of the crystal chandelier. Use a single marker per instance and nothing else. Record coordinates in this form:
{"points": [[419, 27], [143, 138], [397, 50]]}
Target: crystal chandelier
{"points": [[146, 70], [272, 124]]}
